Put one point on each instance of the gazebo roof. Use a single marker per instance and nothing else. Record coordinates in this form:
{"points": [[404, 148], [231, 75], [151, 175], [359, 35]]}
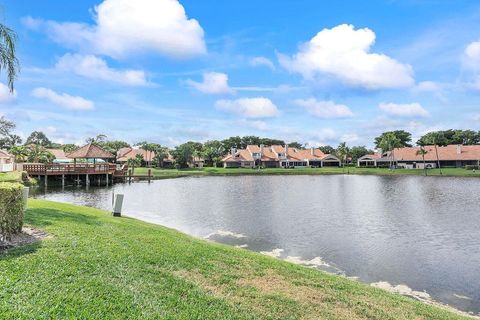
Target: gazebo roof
{"points": [[90, 151]]}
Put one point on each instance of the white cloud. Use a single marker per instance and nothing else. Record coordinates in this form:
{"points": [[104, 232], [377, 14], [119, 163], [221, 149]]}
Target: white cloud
{"points": [[127, 27], [213, 83], [64, 100], [408, 110], [344, 53], [324, 109], [472, 55], [5, 95], [257, 124], [431, 87], [249, 107], [471, 62], [90, 66], [262, 61]]}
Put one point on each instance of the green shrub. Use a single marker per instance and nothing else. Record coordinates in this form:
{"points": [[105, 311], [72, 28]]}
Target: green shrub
{"points": [[471, 167], [11, 209]]}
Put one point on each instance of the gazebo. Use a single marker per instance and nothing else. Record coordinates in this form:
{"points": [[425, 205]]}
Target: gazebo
{"points": [[90, 151], [94, 152]]}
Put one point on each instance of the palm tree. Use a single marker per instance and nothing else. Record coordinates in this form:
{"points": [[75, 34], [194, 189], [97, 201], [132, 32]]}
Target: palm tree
{"points": [[8, 57], [342, 152], [388, 143], [20, 153], [423, 152], [437, 139]]}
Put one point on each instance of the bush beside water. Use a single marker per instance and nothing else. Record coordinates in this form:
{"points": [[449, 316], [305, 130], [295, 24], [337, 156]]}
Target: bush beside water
{"points": [[11, 209]]}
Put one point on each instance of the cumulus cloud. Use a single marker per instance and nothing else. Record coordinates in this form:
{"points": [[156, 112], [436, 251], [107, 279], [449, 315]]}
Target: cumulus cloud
{"points": [[249, 107], [213, 83], [126, 27], [5, 95], [408, 110], [90, 66], [471, 63], [324, 109], [344, 53], [431, 87], [262, 61], [64, 100]]}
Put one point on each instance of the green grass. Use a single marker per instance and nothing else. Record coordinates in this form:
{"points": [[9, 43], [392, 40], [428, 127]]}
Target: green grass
{"points": [[95, 266], [173, 173], [15, 176]]}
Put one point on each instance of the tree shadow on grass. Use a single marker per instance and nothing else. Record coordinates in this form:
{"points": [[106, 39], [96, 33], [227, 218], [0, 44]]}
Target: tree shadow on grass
{"points": [[17, 252], [45, 217]]}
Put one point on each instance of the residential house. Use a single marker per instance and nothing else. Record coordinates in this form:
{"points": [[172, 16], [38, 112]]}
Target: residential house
{"points": [[278, 157], [7, 161], [125, 154], [410, 158], [60, 156]]}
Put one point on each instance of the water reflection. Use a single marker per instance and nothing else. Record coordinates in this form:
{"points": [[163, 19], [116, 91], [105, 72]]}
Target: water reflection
{"points": [[422, 232]]}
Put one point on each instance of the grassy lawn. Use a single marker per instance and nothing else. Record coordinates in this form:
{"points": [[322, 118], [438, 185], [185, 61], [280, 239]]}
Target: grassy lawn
{"points": [[97, 266], [15, 176], [172, 173]]}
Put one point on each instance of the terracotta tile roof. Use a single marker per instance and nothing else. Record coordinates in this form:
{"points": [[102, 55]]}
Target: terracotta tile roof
{"points": [[240, 155], [59, 154], [91, 151], [123, 155], [306, 154], [253, 148], [447, 153]]}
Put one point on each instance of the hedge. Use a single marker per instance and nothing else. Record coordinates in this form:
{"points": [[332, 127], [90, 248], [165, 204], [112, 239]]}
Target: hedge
{"points": [[11, 209]]}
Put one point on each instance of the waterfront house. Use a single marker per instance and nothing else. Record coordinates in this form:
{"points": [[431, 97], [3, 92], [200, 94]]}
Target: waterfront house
{"points": [[277, 156], [7, 161], [60, 156], [410, 158], [197, 162], [125, 154]]}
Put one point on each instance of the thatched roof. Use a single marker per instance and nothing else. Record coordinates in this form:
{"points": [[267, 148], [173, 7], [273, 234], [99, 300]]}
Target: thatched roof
{"points": [[90, 151]]}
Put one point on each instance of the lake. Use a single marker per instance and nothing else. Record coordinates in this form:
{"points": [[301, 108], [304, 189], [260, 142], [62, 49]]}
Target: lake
{"points": [[421, 232]]}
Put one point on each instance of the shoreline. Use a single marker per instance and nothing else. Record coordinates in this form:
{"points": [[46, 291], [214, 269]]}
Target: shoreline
{"points": [[216, 275]]}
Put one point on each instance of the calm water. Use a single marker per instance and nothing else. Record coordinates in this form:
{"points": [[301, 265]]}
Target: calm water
{"points": [[416, 231]]}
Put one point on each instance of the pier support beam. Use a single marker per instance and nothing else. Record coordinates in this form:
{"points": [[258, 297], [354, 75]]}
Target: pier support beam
{"points": [[87, 180], [63, 180], [46, 181], [78, 179], [106, 181]]}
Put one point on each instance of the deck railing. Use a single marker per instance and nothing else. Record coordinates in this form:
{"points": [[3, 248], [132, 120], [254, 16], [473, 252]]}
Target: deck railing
{"points": [[79, 168]]}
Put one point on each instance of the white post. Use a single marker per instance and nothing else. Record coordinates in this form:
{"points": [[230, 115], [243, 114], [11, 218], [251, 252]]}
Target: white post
{"points": [[117, 205]]}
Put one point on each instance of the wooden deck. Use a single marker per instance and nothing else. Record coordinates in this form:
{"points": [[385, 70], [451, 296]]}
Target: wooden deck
{"points": [[59, 169]]}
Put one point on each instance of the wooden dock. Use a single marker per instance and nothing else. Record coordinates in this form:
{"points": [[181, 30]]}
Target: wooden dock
{"points": [[103, 173]]}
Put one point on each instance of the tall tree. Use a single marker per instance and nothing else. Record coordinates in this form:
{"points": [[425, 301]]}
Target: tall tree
{"points": [[38, 138], [436, 139], [403, 137], [19, 152], [37, 153], [98, 140], [327, 149], [343, 151], [184, 153], [389, 142], [212, 152], [295, 144], [359, 151], [423, 152], [8, 56]]}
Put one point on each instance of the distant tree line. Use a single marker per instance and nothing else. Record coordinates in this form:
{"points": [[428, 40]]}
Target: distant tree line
{"points": [[35, 147]]}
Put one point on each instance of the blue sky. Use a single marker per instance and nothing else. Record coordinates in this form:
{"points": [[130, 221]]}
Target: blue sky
{"points": [[318, 72]]}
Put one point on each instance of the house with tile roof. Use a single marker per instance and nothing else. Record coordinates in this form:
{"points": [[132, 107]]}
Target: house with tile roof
{"points": [[277, 156], [7, 161], [60, 156], [124, 154], [410, 158]]}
